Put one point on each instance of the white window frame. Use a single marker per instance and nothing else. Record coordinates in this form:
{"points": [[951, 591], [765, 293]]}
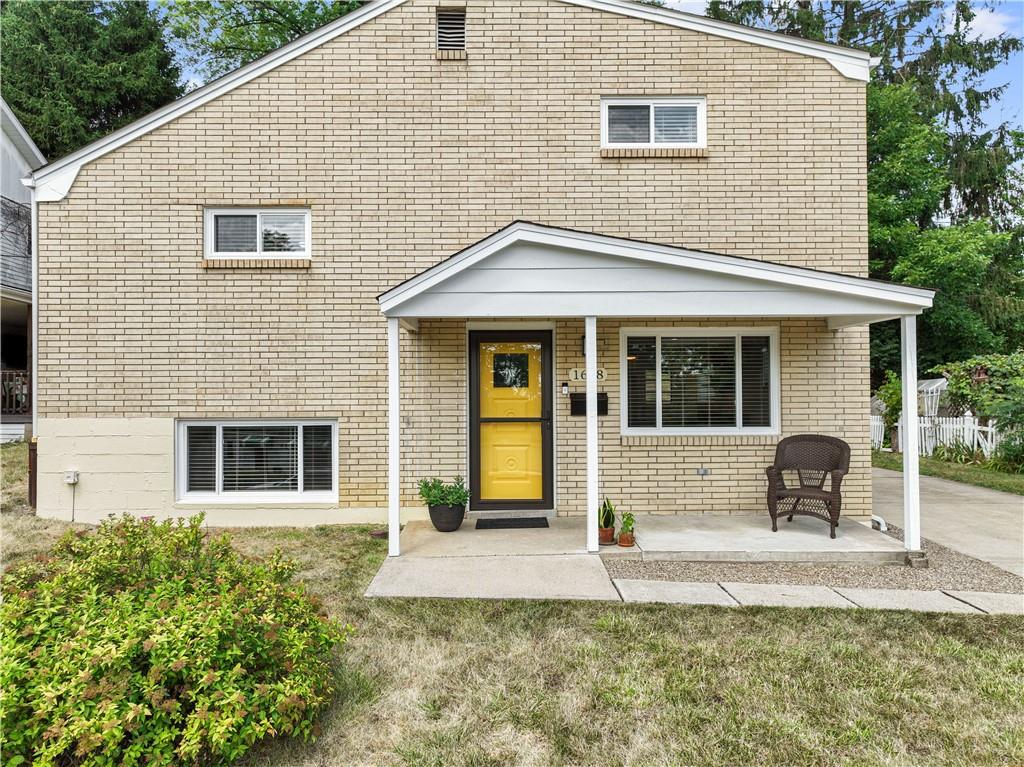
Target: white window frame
{"points": [[245, 498], [209, 240], [774, 381], [651, 101]]}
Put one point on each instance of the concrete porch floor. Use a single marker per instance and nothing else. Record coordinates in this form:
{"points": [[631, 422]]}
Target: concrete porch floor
{"points": [[706, 538]]}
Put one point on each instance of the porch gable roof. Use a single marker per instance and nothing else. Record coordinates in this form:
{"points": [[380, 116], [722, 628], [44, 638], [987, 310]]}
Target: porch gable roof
{"points": [[531, 270]]}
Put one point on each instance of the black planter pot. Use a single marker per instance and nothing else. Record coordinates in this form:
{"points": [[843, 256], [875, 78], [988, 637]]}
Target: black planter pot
{"points": [[447, 519]]}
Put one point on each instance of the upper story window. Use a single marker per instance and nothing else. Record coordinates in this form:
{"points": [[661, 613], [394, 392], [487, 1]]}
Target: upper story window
{"points": [[257, 233], [700, 381], [257, 461], [451, 29], [664, 123]]}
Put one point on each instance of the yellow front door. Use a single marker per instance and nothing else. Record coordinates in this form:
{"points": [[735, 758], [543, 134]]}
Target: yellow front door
{"points": [[512, 422]]}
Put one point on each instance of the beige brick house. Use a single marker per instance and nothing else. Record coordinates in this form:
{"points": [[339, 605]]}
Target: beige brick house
{"points": [[566, 248]]}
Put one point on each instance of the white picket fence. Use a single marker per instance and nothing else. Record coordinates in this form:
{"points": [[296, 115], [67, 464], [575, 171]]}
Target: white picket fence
{"points": [[934, 431]]}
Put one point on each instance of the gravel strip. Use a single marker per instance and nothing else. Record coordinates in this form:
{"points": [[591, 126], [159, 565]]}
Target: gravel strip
{"points": [[947, 569]]}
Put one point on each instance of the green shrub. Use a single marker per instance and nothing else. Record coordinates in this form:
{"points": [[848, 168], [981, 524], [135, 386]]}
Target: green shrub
{"points": [[981, 383], [143, 643], [1009, 415], [437, 492]]}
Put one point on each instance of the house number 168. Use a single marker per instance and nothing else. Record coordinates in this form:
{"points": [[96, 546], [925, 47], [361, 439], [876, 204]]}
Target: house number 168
{"points": [[580, 374]]}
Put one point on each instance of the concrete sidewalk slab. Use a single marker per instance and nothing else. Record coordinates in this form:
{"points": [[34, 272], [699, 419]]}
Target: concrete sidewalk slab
{"points": [[772, 595], [495, 577], [992, 602], [906, 599], [976, 521], [673, 592]]}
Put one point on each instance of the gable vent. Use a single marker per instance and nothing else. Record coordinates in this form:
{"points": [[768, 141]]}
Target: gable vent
{"points": [[451, 29]]}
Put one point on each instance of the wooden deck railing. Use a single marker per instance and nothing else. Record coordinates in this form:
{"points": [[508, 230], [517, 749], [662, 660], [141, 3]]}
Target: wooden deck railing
{"points": [[15, 392]]}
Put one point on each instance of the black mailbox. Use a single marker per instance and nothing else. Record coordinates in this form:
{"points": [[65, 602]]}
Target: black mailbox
{"points": [[578, 403]]}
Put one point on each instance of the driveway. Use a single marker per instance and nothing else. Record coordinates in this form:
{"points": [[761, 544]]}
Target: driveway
{"points": [[981, 523]]}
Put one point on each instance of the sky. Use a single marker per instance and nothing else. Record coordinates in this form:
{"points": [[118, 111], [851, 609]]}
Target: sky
{"points": [[1008, 17]]}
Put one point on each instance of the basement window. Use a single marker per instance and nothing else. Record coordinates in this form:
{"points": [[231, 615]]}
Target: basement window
{"points": [[257, 461], [661, 123], [451, 29]]}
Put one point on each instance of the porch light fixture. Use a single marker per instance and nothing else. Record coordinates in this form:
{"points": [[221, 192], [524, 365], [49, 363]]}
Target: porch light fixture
{"points": [[565, 388]]}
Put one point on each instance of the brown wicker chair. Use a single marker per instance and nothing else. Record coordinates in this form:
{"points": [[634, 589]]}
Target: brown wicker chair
{"points": [[813, 457]]}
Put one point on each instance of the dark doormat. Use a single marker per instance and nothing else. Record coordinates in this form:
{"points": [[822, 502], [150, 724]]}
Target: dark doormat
{"points": [[511, 523]]}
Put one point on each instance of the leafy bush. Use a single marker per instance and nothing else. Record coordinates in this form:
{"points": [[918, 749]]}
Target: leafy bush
{"points": [[1009, 415], [981, 383], [890, 394], [142, 643], [437, 492]]}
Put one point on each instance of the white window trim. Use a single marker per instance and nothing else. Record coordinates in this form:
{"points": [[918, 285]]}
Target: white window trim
{"points": [[208, 234], [688, 101], [251, 499], [775, 378]]}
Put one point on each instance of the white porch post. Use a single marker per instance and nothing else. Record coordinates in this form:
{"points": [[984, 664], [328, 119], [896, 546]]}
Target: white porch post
{"points": [[911, 482], [590, 349], [394, 426]]}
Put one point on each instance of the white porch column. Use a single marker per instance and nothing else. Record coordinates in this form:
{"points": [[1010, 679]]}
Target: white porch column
{"points": [[911, 481], [394, 427], [590, 349]]}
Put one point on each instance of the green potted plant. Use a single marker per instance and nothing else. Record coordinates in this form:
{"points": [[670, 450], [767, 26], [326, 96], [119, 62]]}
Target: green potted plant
{"points": [[446, 502], [626, 538], [606, 523]]}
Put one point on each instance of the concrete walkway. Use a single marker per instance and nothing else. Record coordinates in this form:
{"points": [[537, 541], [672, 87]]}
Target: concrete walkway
{"points": [[763, 594], [583, 577], [985, 524]]}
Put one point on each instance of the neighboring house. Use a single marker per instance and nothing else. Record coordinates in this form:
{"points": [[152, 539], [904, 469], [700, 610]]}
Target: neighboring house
{"points": [[19, 157], [292, 293]]}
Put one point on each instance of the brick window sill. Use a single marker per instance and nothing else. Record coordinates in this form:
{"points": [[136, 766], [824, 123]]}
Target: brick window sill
{"points": [[653, 152], [697, 440], [257, 263], [450, 55]]}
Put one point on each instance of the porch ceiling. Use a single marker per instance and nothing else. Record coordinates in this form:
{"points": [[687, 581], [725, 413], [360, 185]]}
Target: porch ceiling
{"points": [[529, 270]]}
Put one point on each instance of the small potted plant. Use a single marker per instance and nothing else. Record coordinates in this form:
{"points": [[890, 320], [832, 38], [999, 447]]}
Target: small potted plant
{"points": [[606, 523], [626, 538], [446, 502]]}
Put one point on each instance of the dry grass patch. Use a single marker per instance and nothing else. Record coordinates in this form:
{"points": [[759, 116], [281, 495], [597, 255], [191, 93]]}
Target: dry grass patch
{"points": [[436, 682]]}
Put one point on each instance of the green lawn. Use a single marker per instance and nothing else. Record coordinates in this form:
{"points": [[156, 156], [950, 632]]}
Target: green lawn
{"points": [[433, 682], [968, 473]]}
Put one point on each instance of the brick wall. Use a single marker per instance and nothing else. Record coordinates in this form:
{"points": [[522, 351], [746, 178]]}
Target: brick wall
{"points": [[405, 159]]}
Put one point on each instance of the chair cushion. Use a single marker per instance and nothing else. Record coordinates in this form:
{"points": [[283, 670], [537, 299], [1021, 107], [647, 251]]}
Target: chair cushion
{"points": [[804, 492]]}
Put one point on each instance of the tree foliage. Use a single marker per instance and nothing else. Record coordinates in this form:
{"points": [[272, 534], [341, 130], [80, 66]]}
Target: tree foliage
{"points": [[222, 35], [75, 70]]}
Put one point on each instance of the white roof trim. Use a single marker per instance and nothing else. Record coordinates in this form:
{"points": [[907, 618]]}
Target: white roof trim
{"points": [[53, 181], [912, 300], [850, 62], [19, 137]]}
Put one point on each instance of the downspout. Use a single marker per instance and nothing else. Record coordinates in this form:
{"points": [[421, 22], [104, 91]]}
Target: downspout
{"points": [[29, 182]]}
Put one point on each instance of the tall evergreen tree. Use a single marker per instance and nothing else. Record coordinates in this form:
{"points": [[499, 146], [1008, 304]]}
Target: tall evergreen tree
{"points": [[75, 70]]}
